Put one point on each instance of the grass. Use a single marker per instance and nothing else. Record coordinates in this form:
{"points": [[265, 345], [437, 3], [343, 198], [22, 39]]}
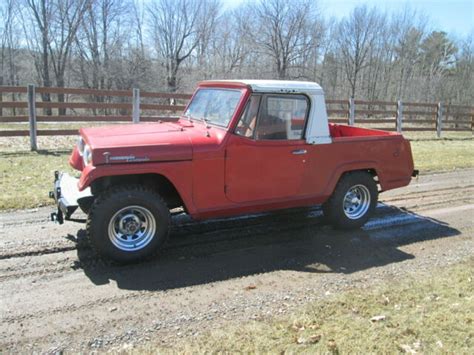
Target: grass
{"points": [[26, 177], [443, 154], [431, 135], [419, 314]]}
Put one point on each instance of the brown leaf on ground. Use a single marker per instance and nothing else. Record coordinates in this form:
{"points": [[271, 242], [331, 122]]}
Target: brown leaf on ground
{"points": [[313, 339], [297, 326], [332, 346]]}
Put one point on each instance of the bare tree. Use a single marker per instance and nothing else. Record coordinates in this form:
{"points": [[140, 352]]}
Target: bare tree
{"points": [[50, 28], [10, 47], [461, 88], [175, 43], [36, 25], [68, 17], [176, 31], [100, 34], [356, 36], [8, 42], [438, 58], [228, 50], [206, 30], [285, 31]]}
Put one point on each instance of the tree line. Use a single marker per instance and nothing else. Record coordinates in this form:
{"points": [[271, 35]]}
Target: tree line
{"points": [[169, 45]]}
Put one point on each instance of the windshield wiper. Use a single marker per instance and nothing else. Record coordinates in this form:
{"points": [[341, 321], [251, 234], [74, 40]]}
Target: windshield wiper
{"points": [[188, 117]]}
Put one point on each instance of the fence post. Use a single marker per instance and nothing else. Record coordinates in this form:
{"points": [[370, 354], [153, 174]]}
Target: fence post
{"points": [[399, 116], [472, 121], [136, 106], [351, 111], [32, 116], [439, 119]]}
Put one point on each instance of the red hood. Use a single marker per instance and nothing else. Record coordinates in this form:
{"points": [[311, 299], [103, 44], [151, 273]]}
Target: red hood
{"points": [[139, 142]]}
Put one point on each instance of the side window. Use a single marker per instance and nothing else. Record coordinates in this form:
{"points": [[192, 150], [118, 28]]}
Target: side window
{"points": [[248, 121], [282, 117]]}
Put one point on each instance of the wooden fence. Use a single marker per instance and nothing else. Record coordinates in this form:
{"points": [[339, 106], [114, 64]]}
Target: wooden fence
{"points": [[21, 105]]}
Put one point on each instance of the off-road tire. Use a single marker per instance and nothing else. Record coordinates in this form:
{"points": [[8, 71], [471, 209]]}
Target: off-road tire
{"points": [[109, 203], [333, 208]]}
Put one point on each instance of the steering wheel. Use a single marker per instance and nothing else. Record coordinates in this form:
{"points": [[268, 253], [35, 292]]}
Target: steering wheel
{"points": [[244, 125], [246, 128]]}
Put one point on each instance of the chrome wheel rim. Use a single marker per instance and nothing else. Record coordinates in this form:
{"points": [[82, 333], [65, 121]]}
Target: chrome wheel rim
{"points": [[356, 201], [132, 228]]}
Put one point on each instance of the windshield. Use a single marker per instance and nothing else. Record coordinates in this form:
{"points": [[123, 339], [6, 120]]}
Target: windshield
{"points": [[214, 106]]}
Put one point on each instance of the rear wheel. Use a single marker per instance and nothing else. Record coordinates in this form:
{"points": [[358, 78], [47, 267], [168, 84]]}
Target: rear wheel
{"points": [[128, 223], [353, 201]]}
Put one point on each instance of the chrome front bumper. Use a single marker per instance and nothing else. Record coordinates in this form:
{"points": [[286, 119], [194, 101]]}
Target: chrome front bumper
{"points": [[66, 195]]}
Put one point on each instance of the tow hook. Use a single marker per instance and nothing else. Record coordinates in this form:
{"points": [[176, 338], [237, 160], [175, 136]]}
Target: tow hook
{"points": [[57, 217]]}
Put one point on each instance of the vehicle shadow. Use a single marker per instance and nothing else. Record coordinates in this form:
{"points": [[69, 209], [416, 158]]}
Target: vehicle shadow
{"points": [[299, 240], [52, 152]]}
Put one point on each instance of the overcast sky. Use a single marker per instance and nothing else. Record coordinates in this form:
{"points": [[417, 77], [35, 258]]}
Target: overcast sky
{"points": [[453, 16]]}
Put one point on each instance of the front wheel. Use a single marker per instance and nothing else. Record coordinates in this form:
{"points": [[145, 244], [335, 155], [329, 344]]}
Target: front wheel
{"points": [[128, 223], [352, 202]]}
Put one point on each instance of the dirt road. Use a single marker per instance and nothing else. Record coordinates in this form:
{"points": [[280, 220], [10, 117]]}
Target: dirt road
{"points": [[56, 295]]}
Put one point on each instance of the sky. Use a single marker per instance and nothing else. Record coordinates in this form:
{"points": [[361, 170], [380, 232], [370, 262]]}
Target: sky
{"points": [[456, 17]]}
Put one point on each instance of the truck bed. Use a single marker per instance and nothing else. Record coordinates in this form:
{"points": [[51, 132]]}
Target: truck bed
{"points": [[344, 131]]}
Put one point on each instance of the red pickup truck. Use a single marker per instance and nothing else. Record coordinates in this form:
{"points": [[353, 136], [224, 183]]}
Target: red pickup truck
{"points": [[240, 147]]}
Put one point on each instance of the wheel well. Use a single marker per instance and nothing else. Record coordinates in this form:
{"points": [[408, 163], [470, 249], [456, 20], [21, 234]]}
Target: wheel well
{"points": [[371, 171], [157, 182]]}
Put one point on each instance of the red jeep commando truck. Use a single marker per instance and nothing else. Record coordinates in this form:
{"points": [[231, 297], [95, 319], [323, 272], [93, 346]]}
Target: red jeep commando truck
{"points": [[240, 147]]}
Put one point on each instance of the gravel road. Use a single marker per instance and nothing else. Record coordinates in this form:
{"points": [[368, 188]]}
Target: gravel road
{"points": [[56, 295]]}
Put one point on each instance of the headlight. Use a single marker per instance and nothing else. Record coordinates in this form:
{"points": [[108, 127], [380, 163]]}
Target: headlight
{"points": [[80, 145], [87, 155]]}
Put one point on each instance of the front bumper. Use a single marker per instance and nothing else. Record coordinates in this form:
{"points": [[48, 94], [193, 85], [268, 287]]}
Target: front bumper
{"points": [[67, 196]]}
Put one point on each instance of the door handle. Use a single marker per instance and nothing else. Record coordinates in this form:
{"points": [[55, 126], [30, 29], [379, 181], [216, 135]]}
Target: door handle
{"points": [[299, 151]]}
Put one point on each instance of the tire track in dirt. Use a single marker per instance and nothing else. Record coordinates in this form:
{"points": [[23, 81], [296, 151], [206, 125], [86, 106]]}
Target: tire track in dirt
{"points": [[377, 226], [33, 247], [385, 217]]}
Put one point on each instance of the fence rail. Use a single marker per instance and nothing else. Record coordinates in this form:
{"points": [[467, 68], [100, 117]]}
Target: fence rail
{"points": [[75, 105]]}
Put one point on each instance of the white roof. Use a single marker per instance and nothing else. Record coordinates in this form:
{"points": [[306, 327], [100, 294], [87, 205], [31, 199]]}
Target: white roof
{"points": [[281, 86]]}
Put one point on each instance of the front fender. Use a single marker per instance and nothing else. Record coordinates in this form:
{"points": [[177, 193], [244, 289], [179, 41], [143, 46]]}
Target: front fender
{"points": [[75, 160], [178, 173]]}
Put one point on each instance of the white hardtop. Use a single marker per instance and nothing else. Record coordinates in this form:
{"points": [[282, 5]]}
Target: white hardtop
{"points": [[280, 86], [317, 130]]}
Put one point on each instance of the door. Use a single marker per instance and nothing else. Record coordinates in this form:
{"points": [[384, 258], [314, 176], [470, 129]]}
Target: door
{"points": [[266, 155]]}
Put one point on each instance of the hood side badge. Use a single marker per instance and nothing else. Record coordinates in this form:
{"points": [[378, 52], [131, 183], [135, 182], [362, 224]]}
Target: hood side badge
{"points": [[124, 158]]}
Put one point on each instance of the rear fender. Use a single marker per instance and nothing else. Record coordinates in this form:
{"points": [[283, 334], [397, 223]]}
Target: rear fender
{"points": [[369, 166]]}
